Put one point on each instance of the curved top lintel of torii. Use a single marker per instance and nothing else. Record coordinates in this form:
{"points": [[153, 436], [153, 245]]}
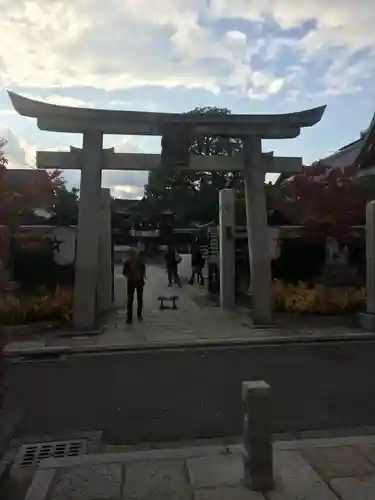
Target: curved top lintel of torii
{"points": [[53, 116]]}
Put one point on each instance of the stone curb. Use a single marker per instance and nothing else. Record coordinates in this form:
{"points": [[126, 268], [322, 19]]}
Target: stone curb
{"points": [[9, 420], [46, 352], [32, 328], [199, 451], [50, 469]]}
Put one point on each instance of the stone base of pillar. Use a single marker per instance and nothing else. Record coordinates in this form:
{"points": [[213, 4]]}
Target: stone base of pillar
{"points": [[366, 321], [261, 480]]}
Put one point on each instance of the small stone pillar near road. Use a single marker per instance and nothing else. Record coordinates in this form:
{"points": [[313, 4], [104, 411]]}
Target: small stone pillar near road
{"points": [[367, 319], [227, 248], [258, 460]]}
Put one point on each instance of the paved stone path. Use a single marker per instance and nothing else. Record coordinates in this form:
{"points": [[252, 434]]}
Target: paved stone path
{"points": [[197, 321], [320, 469], [190, 320]]}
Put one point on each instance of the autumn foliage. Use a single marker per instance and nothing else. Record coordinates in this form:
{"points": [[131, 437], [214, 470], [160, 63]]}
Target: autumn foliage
{"points": [[327, 201], [3, 160]]}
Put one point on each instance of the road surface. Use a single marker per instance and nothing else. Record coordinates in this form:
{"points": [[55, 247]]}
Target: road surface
{"points": [[195, 393]]}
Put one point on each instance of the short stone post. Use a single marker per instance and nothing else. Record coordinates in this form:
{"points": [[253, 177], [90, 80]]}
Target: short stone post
{"points": [[227, 248], [367, 319], [258, 462], [105, 253]]}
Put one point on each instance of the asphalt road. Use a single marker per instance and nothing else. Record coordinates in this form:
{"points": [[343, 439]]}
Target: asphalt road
{"points": [[186, 394]]}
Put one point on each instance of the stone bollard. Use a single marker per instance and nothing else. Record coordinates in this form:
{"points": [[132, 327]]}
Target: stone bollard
{"points": [[258, 463]]}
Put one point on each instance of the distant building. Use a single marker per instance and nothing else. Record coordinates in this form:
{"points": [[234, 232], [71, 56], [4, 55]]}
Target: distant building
{"points": [[359, 153]]}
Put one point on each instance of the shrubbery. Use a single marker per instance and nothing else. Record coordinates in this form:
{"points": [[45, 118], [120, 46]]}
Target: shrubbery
{"points": [[318, 299], [30, 309]]}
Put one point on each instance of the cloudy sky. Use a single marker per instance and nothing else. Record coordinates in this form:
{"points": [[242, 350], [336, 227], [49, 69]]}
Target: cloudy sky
{"points": [[251, 56]]}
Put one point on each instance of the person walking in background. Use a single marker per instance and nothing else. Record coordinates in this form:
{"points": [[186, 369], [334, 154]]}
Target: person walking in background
{"points": [[172, 259], [197, 263], [135, 271]]}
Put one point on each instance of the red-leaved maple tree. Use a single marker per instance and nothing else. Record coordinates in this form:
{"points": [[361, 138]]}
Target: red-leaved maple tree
{"points": [[327, 201]]}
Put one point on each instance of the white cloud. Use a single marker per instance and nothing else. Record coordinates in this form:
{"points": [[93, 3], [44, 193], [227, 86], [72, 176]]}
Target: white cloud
{"points": [[64, 101], [344, 76], [343, 27], [118, 103], [118, 44], [18, 153], [135, 105], [128, 192], [59, 100], [128, 43], [126, 183], [122, 183], [8, 112], [337, 22]]}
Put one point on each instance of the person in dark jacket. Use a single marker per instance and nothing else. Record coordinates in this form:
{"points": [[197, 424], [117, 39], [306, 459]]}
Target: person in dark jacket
{"points": [[135, 271], [172, 259], [197, 264]]}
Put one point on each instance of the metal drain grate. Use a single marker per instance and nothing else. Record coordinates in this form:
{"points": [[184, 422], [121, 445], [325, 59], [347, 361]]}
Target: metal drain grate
{"points": [[30, 455]]}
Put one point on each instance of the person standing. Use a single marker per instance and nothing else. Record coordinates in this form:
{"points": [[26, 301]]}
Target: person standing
{"points": [[135, 271], [172, 259], [197, 264]]}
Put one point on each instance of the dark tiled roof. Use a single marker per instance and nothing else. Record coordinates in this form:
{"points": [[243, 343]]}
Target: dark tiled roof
{"points": [[120, 205], [366, 157]]}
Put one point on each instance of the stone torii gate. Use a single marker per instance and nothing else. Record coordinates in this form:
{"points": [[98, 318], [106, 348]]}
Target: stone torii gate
{"points": [[177, 131]]}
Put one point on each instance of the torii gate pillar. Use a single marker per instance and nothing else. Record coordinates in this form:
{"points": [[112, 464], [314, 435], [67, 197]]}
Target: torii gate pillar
{"points": [[87, 257], [257, 231]]}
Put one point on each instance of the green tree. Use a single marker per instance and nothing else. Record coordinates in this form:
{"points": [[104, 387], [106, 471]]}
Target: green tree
{"points": [[66, 201], [194, 195]]}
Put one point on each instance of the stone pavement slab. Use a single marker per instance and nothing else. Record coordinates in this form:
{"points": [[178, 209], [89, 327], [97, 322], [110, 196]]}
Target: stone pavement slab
{"points": [[354, 488], [295, 479], [205, 473], [368, 450], [220, 470], [41, 485], [163, 479], [342, 461], [96, 482], [227, 493]]}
